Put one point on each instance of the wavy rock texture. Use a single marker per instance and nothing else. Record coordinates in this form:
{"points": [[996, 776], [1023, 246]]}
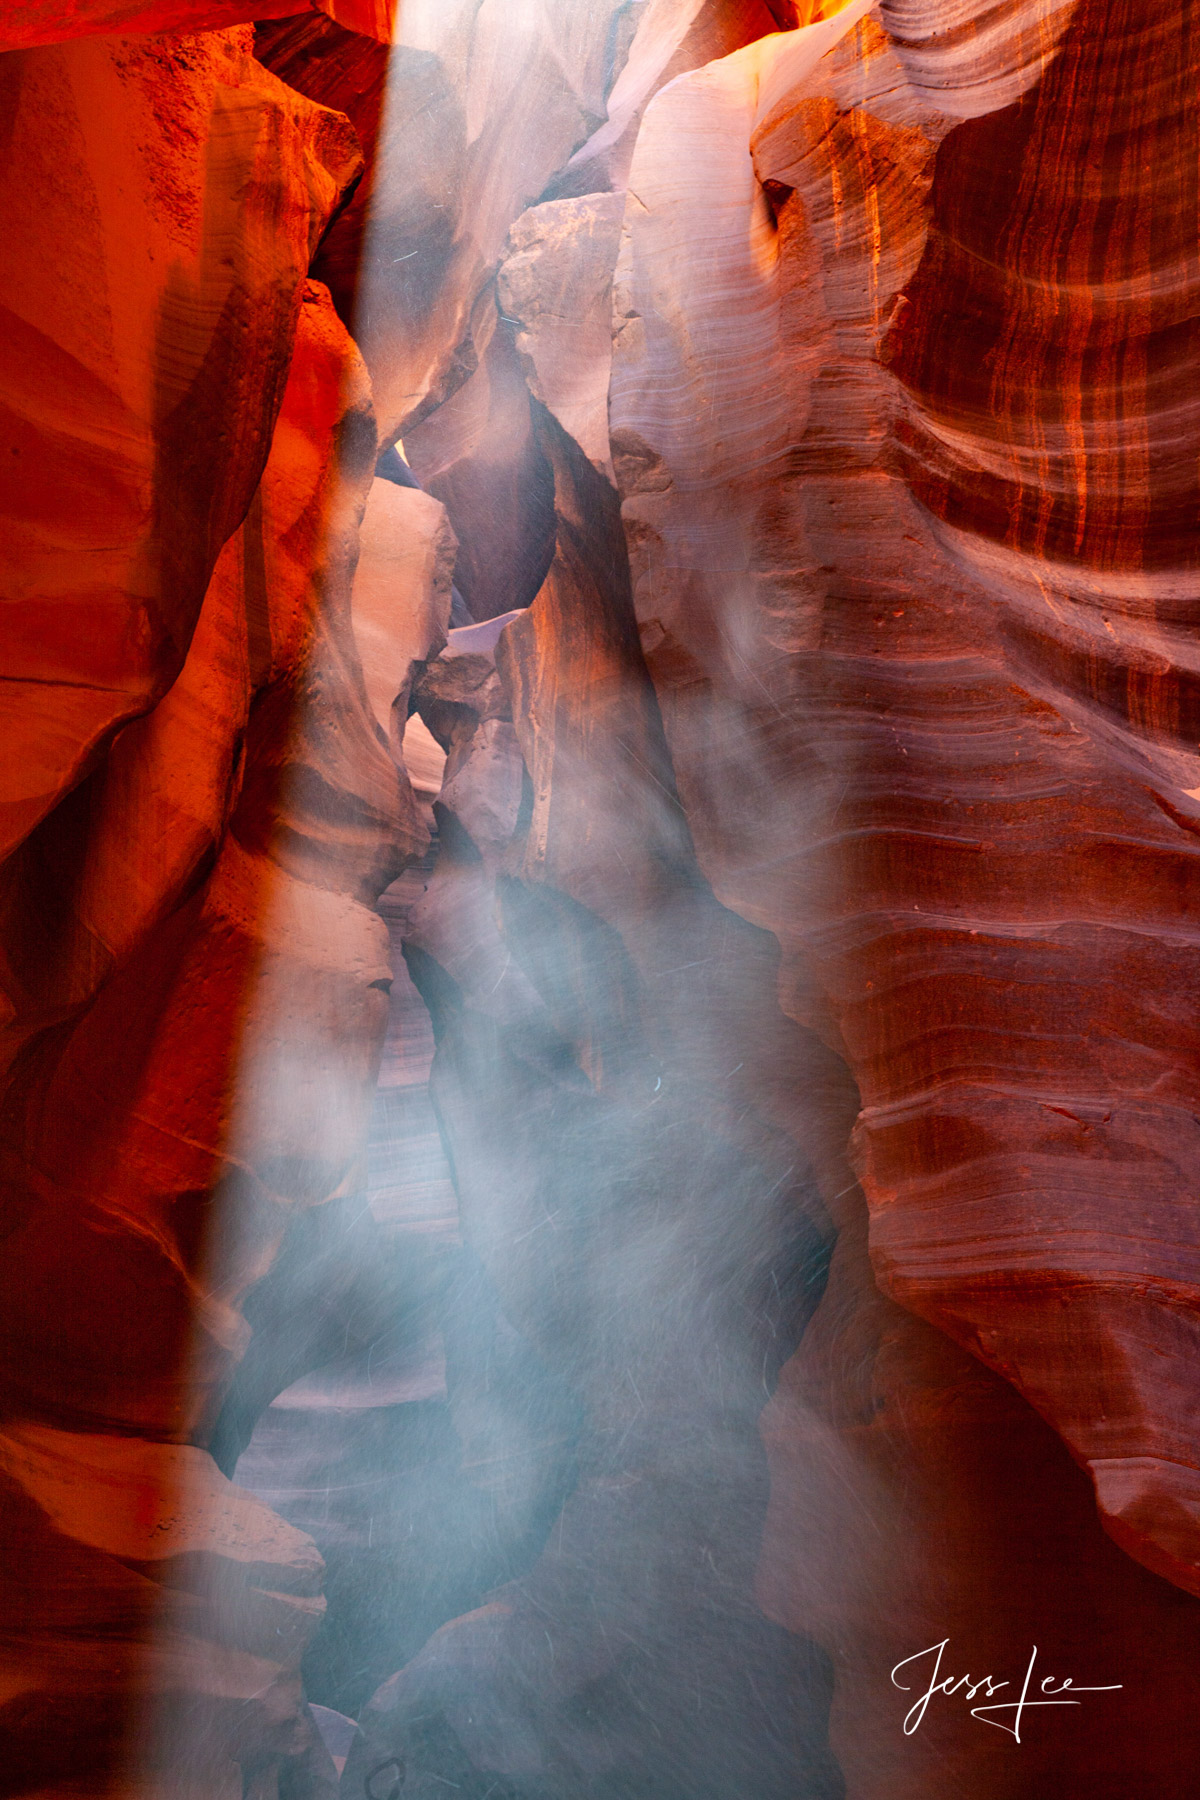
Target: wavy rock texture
{"points": [[164, 1651], [1076, 515], [224, 180], [464, 122], [672, 36], [865, 636], [969, 58], [820, 624]]}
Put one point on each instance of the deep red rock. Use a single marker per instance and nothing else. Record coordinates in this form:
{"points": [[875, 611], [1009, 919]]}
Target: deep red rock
{"points": [[118, 382], [38, 22]]}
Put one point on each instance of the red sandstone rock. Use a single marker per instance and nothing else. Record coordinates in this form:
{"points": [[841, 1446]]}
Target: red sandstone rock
{"points": [[556, 285], [401, 598], [153, 1185], [29, 26], [150, 320], [479, 454], [980, 60], [155, 1615], [127, 356], [441, 192], [671, 36], [261, 976], [37, 22], [833, 682], [1072, 1162]]}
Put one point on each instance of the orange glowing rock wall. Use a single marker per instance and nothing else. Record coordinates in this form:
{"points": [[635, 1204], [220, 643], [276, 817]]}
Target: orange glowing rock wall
{"points": [[39, 22]]}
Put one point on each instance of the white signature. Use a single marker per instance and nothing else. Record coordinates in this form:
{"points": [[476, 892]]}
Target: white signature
{"points": [[1050, 1692]]}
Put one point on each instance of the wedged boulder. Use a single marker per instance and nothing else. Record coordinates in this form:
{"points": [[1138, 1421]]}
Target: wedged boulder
{"points": [[555, 285], [402, 597], [479, 453]]}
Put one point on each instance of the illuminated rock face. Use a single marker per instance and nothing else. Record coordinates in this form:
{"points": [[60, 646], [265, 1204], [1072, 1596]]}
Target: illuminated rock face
{"points": [[914, 607], [464, 123], [112, 138], [985, 736], [58, 21], [461, 142], [1069, 274]]}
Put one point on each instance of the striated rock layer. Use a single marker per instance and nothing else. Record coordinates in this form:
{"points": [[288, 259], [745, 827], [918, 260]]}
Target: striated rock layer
{"points": [[897, 600]]}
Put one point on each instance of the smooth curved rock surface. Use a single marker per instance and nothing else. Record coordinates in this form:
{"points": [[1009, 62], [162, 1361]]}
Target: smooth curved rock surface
{"points": [[108, 137], [871, 649], [401, 597], [172, 1634], [1078, 523], [460, 139], [483, 106], [671, 36], [970, 58], [555, 285], [38, 22]]}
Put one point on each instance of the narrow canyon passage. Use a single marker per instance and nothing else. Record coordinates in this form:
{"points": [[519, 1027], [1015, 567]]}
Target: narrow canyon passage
{"points": [[599, 1070]]}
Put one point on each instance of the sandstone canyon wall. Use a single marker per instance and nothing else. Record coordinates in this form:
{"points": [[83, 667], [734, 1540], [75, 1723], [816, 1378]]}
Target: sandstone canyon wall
{"points": [[599, 1053]]}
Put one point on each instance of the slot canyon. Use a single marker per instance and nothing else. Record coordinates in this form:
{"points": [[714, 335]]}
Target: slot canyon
{"points": [[600, 1056]]}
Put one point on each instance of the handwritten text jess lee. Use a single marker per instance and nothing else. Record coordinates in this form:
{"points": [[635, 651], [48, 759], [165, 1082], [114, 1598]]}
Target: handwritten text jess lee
{"points": [[1048, 1695]]}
